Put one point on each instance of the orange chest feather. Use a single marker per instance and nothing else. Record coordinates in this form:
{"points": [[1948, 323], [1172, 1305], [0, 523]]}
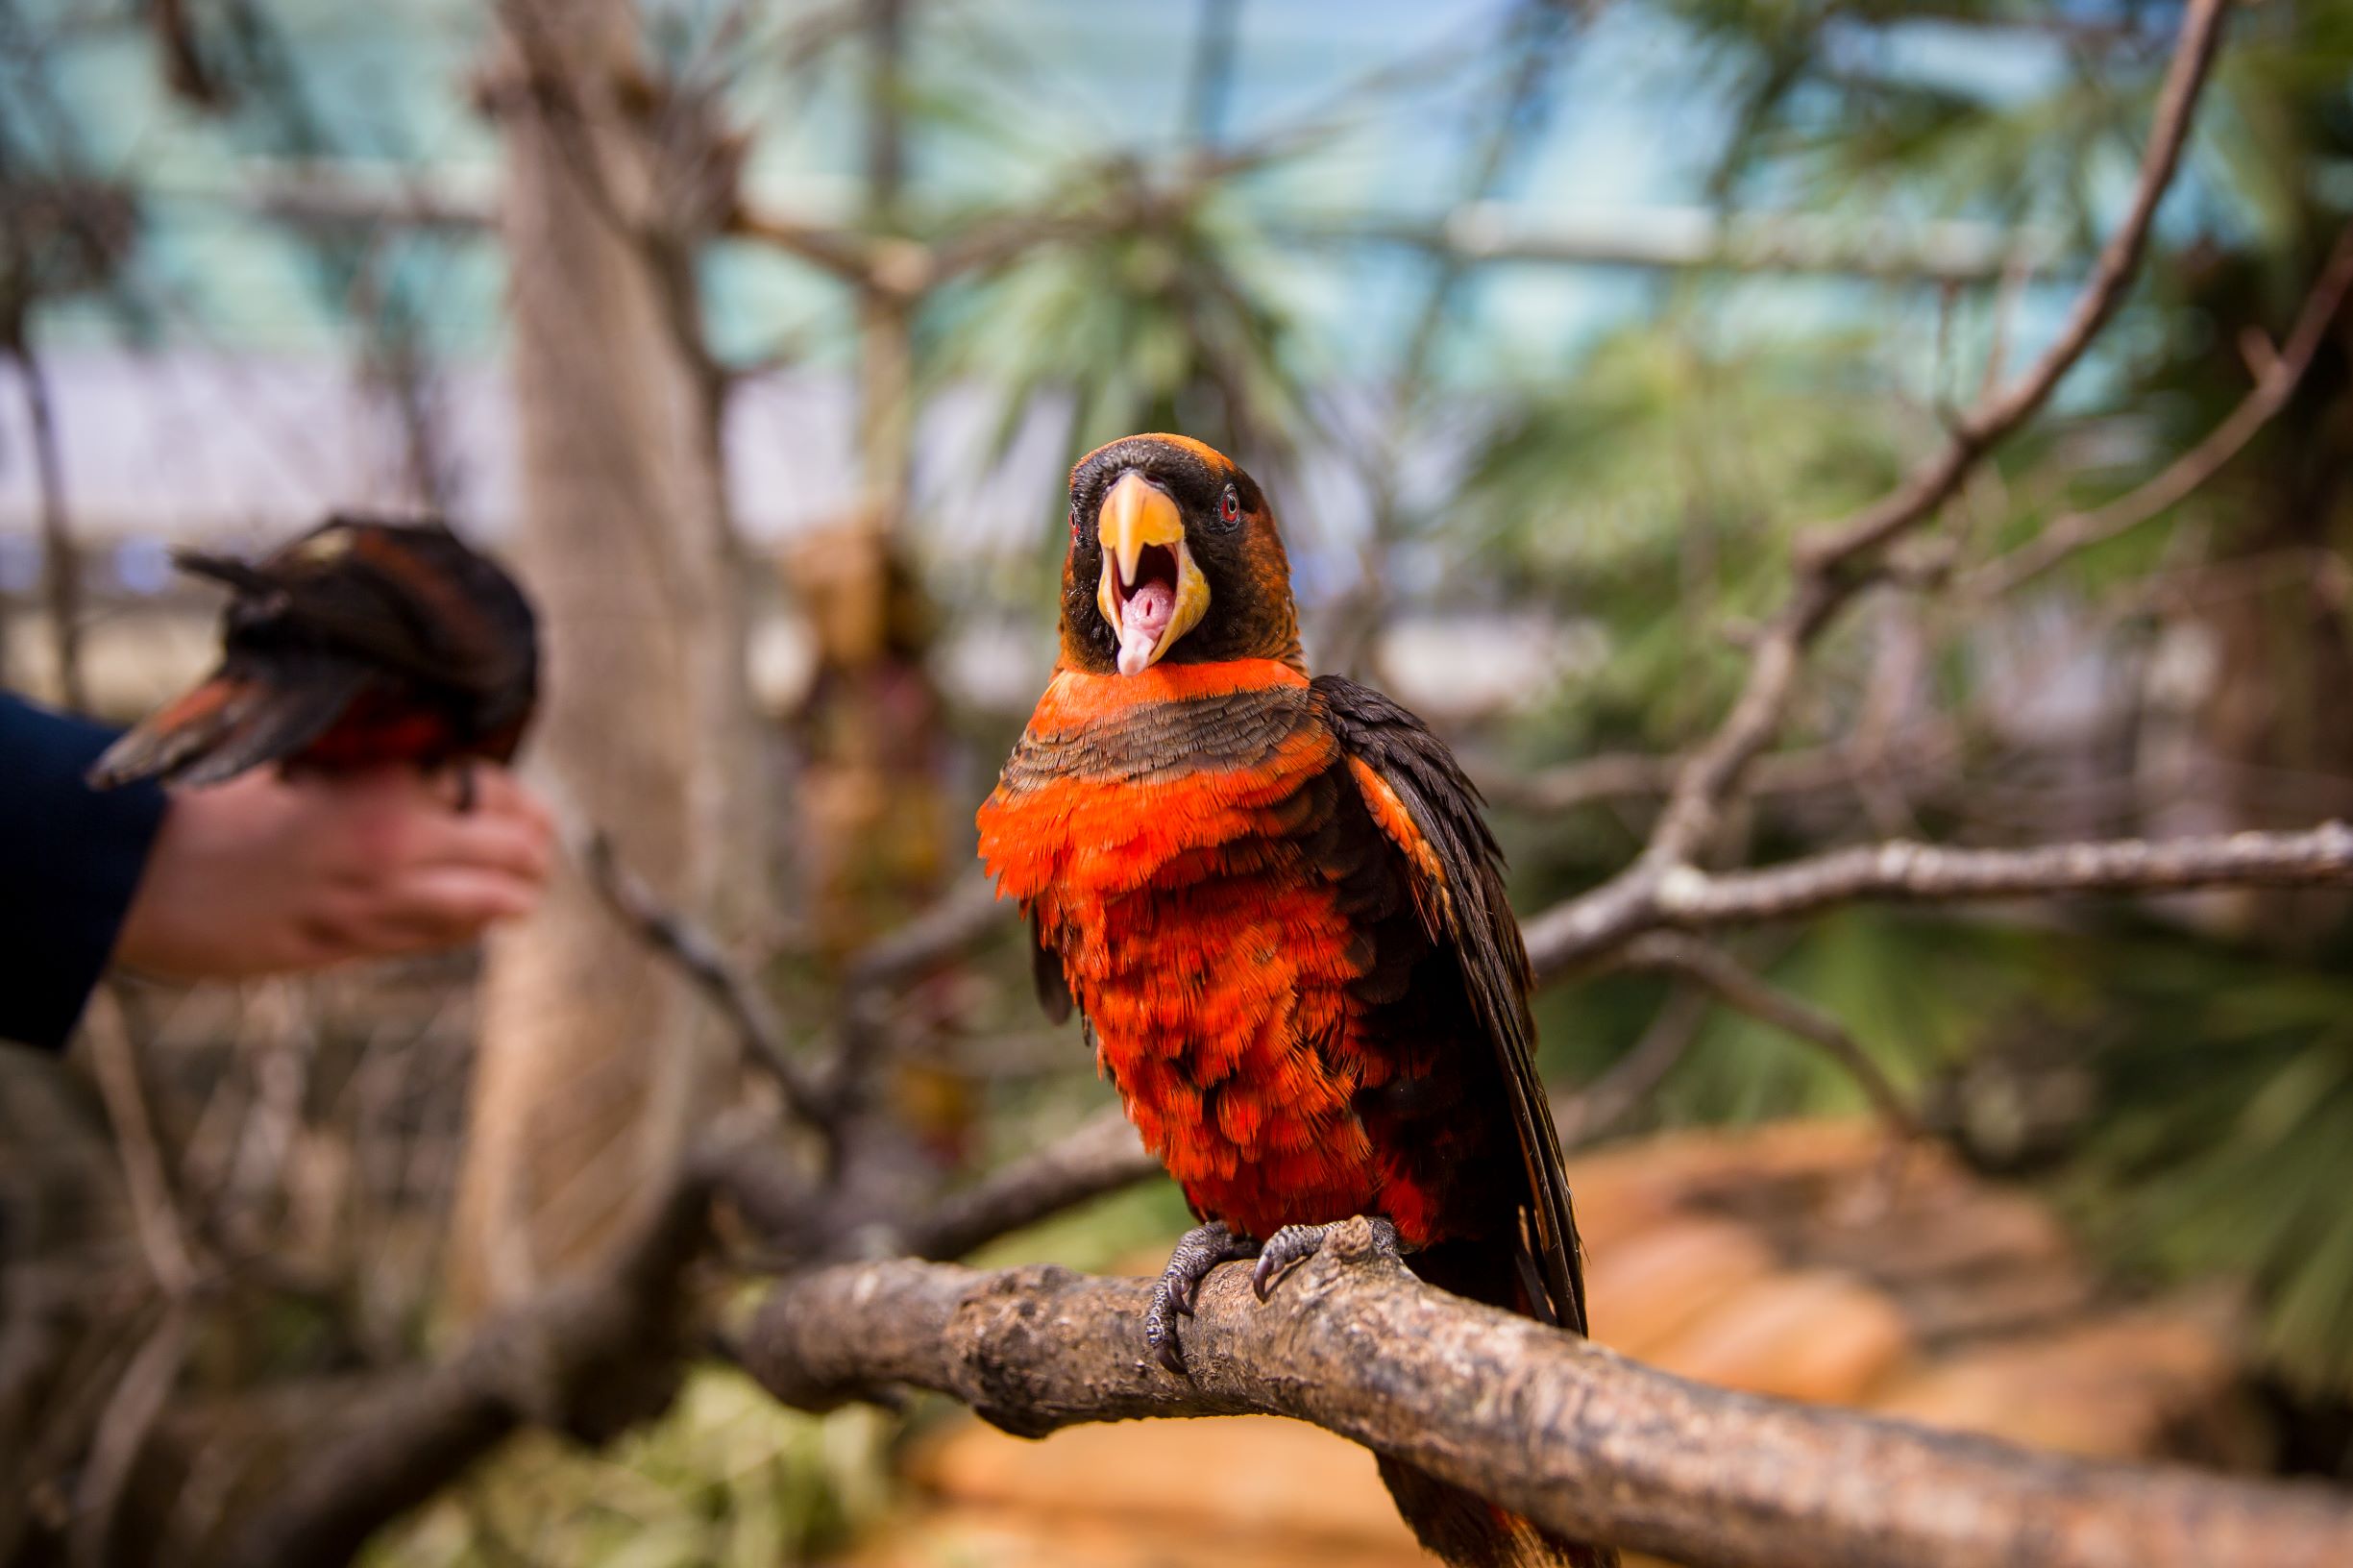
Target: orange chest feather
{"points": [[1159, 843], [1110, 788]]}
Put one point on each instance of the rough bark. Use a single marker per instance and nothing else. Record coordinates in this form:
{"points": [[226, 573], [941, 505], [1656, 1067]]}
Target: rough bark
{"points": [[1591, 1444], [595, 1056]]}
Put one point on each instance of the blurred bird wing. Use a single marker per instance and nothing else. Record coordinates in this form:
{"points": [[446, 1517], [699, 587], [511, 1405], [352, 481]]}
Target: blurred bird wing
{"points": [[237, 717], [410, 597], [1422, 801]]}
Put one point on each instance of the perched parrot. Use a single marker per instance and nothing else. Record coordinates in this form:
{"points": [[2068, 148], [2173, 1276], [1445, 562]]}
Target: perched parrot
{"points": [[1274, 901], [361, 643]]}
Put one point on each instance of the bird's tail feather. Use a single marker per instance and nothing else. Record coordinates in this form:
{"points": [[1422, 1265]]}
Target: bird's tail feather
{"points": [[1459, 1525], [1468, 1531], [228, 724]]}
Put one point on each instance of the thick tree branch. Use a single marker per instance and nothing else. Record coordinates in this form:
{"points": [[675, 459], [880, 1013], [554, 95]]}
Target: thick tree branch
{"points": [[591, 1355], [1594, 1445]]}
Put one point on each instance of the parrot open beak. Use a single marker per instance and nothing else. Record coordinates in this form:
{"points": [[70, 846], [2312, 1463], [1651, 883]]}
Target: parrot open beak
{"points": [[1151, 593]]}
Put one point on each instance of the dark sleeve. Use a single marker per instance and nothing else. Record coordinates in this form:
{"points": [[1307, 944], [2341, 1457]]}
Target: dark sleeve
{"points": [[70, 858]]}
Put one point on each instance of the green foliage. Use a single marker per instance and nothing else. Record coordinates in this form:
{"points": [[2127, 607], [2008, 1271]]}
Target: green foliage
{"points": [[2225, 1138], [1170, 323], [727, 1480], [1656, 492]]}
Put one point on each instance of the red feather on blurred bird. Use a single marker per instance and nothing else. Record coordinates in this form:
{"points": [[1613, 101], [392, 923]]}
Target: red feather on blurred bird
{"points": [[361, 643], [1276, 904]]}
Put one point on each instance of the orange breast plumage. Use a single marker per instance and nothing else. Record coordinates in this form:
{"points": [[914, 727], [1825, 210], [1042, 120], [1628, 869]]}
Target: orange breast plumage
{"points": [[1171, 834]]}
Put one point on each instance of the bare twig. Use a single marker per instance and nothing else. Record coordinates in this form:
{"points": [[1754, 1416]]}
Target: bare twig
{"points": [[1824, 583], [846, 255], [123, 1430], [114, 1061], [2277, 377], [1901, 872], [959, 917], [1744, 990], [1637, 775], [698, 953], [1600, 1104], [61, 556], [1593, 1445], [1099, 1158]]}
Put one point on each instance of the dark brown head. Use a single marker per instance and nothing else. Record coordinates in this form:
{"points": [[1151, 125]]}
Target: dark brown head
{"points": [[1174, 559]]}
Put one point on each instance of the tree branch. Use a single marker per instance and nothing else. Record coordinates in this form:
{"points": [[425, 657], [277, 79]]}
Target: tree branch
{"points": [[592, 1356], [1829, 560], [698, 955], [61, 553], [1641, 776], [962, 916], [2275, 384], [1744, 990], [1593, 1445], [1592, 1111], [1897, 870], [1101, 1157]]}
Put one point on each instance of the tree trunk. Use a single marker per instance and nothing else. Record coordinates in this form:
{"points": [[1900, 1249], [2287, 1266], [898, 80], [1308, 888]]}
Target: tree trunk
{"points": [[595, 1058]]}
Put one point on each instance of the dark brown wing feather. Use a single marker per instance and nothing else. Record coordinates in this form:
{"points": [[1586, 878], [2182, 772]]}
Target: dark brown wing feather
{"points": [[1473, 919], [1045, 974], [240, 717]]}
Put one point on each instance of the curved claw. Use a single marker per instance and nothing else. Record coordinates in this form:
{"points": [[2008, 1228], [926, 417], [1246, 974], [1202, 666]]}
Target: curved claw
{"points": [[1201, 1249], [1294, 1245]]}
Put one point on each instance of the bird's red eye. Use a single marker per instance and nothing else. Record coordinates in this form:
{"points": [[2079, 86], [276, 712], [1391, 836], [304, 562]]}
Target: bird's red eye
{"points": [[1231, 507]]}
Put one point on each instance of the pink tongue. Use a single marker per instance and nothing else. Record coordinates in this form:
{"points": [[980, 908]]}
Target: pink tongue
{"points": [[1142, 621]]}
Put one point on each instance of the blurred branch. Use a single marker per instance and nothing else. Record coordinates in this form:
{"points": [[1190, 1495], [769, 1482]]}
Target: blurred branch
{"points": [[1744, 990], [962, 916], [1473, 234], [114, 1061], [1901, 872], [2278, 376], [592, 1356], [60, 557], [1637, 775], [1600, 1104], [1530, 45], [1830, 561], [1689, 239], [123, 1430], [1592, 1445], [698, 953], [1099, 1158]]}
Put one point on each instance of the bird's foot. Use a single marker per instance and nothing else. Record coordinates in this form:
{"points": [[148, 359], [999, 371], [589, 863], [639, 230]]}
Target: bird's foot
{"points": [[1294, 1245], [1203, 1248]]}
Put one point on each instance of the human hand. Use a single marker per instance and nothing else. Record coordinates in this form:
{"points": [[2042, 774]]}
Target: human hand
{"points": [[264, 874]]}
